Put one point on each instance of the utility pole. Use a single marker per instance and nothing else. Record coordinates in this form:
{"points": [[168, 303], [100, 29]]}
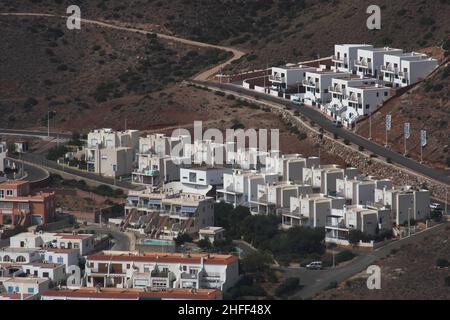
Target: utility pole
{"points": [[48, 122], [388, 126], [409, 222]]}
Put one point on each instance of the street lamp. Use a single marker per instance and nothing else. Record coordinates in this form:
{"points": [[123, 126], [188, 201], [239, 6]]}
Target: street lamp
{"points": [[48, 120]]}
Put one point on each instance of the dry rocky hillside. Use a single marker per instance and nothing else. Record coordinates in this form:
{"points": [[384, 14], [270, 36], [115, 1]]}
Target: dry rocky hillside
{"points": [[411, 272], [271, 31], [44, 65]]}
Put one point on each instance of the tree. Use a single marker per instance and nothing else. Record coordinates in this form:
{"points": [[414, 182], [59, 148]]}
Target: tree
{"points": [[182, 238], [256, 262], [204, 244], [287, 286]]}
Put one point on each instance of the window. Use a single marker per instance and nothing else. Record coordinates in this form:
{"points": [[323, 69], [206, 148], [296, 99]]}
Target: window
{"points": [[367, 106], [76, 245], [45, 275], [9, 192], [2, 194], [20, 259], [60, 260], [31, 290], [385, 94], [6, 258]]}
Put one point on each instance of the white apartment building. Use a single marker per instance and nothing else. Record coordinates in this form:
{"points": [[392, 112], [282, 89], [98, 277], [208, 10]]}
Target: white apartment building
{"points": [[19, 255], [154, 170], [241, 186], [53, 271], [22, 288], [111, 153], [161, 270], [121, 294], [289, 77], [162, 145], [367, 219], [310, 210], [198, 179], [362, 101], [66, 257], [323, 178], [353, 98], [369, 60], [84, 243], [273, 198], [3, 151], [211, 234], [345, 55], [167, 214], [402, 70], [290, 166], [405, 203], [317, 84], [360, 190]]}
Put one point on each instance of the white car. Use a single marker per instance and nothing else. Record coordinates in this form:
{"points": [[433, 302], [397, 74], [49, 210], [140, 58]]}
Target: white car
{"points": [[315, 265], [435, 206]]}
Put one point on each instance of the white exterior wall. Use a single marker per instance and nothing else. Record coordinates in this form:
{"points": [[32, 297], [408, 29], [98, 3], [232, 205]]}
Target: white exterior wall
{"points": [[345, 56]]}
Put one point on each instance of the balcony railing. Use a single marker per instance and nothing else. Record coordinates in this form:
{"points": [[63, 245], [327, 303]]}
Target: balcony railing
{"points": [[276, 78], [189, 276], [403, 74], [353, 98], [309, 83], [389, 69], [335, 89], [363, 63], [339, 59]]}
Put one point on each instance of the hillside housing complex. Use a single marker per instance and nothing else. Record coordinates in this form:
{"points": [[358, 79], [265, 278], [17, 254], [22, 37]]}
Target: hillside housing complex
{"points": [[355, 83]]}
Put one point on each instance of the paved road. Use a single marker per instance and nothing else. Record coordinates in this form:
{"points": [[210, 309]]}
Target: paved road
{"points": [[317, 281], [325, 123], [33, 173], [121, 240], [40, 161], [32, 133]]}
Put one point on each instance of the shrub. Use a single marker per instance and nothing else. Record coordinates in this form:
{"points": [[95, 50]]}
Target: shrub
{"points": [[287, 286], [442, 263], [343, 256], [447, 281]]}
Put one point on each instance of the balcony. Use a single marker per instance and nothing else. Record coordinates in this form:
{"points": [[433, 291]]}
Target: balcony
{"points": [[335, 89], [403, 74], [309, 83], [363, 64], [339, 59], [389, 69], [189, 276], [353, 98], [277, 78], [146, 172]]}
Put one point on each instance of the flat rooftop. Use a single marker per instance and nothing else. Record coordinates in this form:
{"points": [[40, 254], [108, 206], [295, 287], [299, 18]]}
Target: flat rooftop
{"points": [[118, 293], [194, 258]]}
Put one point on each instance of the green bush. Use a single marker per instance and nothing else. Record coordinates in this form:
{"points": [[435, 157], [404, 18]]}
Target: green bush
{"points": [[287, 286], [343, 256], [442, 263]]}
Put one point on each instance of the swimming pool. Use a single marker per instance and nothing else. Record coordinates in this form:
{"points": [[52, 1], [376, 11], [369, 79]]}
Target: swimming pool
{"points": [[158, 242]]}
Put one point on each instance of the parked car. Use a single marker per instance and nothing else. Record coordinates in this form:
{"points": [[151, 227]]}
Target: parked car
{"points": [[297, 103], [435, 206], [337, 124], [315, 265]]}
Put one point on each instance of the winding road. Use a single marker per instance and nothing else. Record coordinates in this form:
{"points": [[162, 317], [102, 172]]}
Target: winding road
{"points": [[202, 76], [320, 280]]}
